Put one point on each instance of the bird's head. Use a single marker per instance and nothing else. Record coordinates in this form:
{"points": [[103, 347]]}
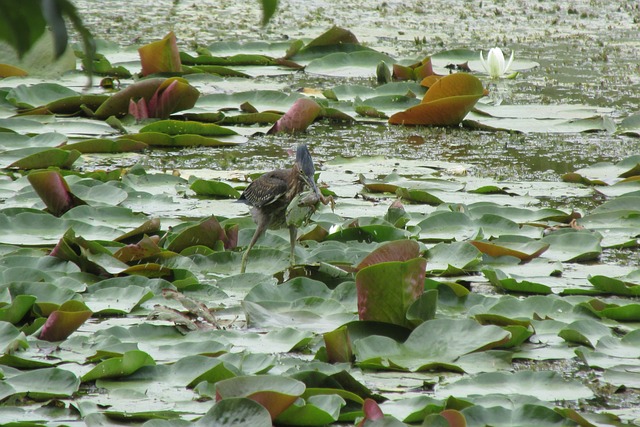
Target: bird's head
{"points": [[304, 163]]}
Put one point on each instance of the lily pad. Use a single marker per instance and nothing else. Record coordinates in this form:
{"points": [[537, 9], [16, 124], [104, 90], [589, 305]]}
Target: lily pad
{"points": [[544, 385], [354, 64], [273, 392], [446, 102], [432, 345]]}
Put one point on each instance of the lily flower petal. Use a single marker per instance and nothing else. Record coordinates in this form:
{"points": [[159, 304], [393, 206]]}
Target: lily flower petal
{"points": [[495, 64]]}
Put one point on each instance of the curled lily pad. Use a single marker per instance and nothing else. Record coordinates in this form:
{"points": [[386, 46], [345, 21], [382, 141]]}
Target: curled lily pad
{"points": [[520, 247], [181, 96], [54, 191], [64, 321], [161, 56], [446, 102], [298, 118], [38, 158], [276, 393], [116, 367], [387, 289]]}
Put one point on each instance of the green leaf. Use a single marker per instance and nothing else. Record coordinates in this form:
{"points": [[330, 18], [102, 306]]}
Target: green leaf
{"points": [[207, 232], [232, 412], [30, 158], [11, 338], [520, 415], [545, 385], [268, 9], [354, 64], [448, 259], [117, 367], [214, 188], [21, 26], [434, 344], [573, 245], [387, 289], [17, 309], [116, 300], [45, 384], [37, 95], [313, 411], [503, 281], [178, 127]]}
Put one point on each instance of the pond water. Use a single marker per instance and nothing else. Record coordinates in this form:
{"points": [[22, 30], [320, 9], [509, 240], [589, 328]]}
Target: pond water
{"points": [[587, 51], [587, 54]]}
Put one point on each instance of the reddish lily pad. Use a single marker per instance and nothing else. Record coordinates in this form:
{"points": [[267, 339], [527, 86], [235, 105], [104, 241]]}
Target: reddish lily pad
{"points": [[446, 102], [65, 320], [298, 118], [398, 250], [180, 96], [54, 191]]}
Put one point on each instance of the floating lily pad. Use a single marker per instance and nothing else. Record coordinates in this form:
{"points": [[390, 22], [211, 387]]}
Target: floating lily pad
{"points": [[544, 385], [446, 102], [275, 393], [432, 345], [354, 64], [522, 248]]}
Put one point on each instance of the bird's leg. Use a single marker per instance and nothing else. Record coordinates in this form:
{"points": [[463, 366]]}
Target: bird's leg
{"points": [[293, 233], [259, 230]]}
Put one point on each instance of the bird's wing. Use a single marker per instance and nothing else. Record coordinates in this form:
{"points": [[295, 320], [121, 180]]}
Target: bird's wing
{"points": [[266, 189]]}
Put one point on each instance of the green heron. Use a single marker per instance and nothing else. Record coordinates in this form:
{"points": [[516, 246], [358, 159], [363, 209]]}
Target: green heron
{"points": [[270, 195]]}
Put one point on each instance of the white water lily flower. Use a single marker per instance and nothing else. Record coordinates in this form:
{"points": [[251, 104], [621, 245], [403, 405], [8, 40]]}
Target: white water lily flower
{"points": [[494, 64]]}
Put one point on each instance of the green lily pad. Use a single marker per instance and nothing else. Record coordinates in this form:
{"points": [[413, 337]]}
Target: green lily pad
{"points": [[435, 344], [37, 95], [387, 289], [232, 412], [448, 259], [573, 246], [354, 64], [44, 384], [116, 367], [177, 127], [503, 281], [544, 385]]}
